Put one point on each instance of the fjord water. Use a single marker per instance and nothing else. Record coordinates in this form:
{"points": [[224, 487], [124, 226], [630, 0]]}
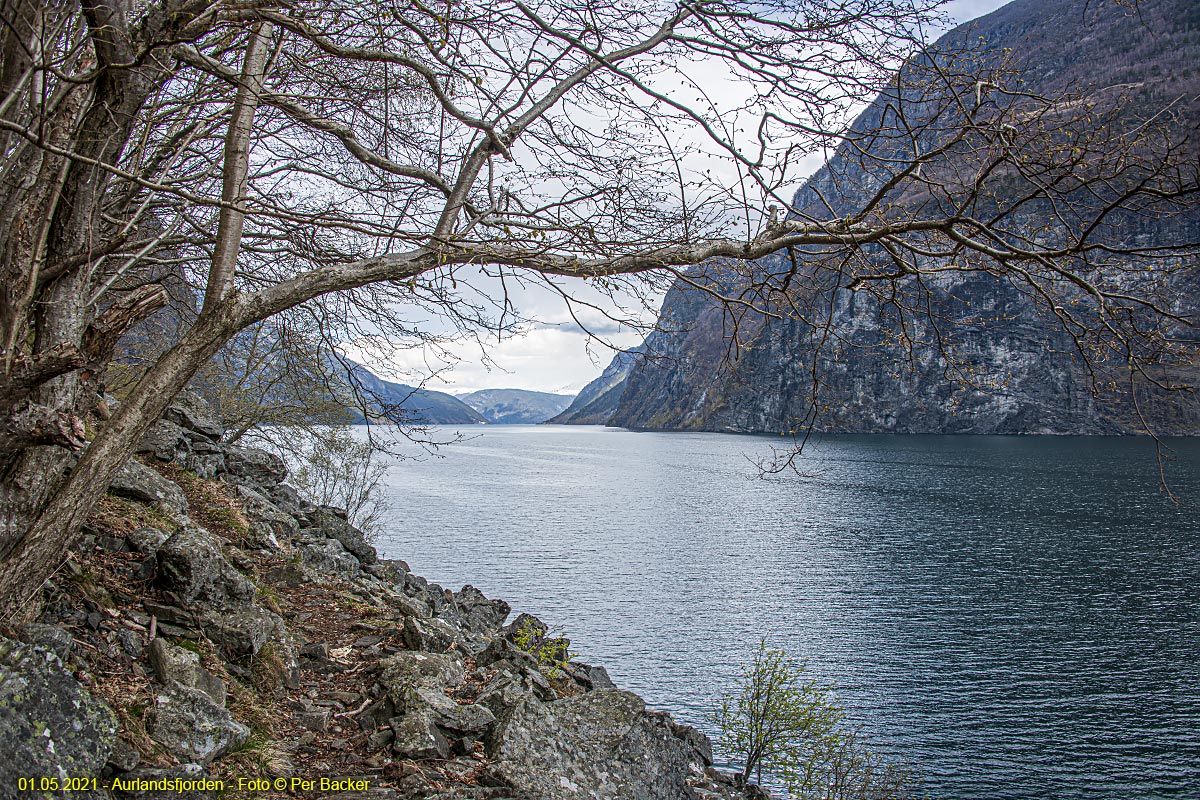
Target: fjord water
{"points": [[1016, 617]]}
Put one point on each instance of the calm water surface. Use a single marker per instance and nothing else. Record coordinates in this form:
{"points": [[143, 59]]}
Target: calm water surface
{"points": [[1016, 617]]}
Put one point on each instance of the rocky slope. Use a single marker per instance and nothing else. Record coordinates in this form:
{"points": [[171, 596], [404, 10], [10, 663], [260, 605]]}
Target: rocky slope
{"points": [[984, 359], [516, 406], [215, 626]]}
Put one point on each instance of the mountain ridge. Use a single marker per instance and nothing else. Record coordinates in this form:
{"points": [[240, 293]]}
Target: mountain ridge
{"points": [[1021, 375]]}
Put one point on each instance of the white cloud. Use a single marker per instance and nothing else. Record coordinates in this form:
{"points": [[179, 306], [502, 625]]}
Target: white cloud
{"points": [[546, 358], [554, 354]]}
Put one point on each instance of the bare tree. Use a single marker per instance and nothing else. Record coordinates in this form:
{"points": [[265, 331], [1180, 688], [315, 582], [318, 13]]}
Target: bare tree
{"points": [[400, 160]]}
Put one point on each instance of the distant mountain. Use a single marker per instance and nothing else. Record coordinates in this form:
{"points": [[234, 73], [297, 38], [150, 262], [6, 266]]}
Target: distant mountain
{"points": [[416, 406], [1023, 371], [598, 400], [516, 406]]}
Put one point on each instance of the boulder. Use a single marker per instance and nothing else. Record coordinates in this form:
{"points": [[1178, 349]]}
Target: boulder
{"points": [[255, 467], [417, 737], [220, 597], [147, 540], [172, 663], [191, 411], [288, 500], [468, 718], [332, 523], [191, 786], [476, 616], [268, 524], [166, 441], [138, 482], [191, 566], [207, 466], [602, 744], [49, 724], [192, 727], [589, 676], [401, 674], [328, 556], [123, 757], [49, 637]]}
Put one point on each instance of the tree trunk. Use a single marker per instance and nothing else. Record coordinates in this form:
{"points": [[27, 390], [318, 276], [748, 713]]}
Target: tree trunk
{"points": [[45, 546]]}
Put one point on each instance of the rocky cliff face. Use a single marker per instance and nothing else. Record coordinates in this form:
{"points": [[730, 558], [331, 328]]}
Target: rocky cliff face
{"points": [[982, 358], [215, 625]]}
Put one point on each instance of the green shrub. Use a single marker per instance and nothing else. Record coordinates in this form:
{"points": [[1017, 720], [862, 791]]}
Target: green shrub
{"points": [[552, 652], [782, 722]]}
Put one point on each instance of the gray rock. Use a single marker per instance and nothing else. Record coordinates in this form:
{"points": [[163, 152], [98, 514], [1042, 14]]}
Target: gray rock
{"points": [[138, 482], [166, 441], [478, 613], [191, 566], [376, 714], [268, 524], [602, 744], [254, 466], [173, 663], [192, 776], [206, 466], [504, 691], [314, 719], [328, 556], [380, 739], [417, 737], [240, 630], [49, 637], [401, 674], [590, 676], [131, 643], [408, 606], [220, 597], [503, 652], [123, 756], [192, 727], [287, 499], [147, 540], [464, 719], [332, 523], [189, 410], [289, 575], [49, 724]]}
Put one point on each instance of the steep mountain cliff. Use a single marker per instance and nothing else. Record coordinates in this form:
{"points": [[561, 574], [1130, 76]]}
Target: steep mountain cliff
{"points": [[981, 357]]}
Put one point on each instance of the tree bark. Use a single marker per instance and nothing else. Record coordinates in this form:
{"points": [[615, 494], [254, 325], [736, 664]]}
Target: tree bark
{"points": [[44, 548]]}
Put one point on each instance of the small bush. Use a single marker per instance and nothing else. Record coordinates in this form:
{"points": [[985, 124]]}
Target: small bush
{"points": [[334, 467], [552, 652], [784, 723]]}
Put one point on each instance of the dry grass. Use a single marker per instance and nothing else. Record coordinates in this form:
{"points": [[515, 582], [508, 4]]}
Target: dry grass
{"points": [[131, 697], [210, 503], [268, 669], [119, 517]]}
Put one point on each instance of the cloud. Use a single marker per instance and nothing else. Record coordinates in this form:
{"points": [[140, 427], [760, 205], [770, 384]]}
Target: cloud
{"points": [[546, 358]]}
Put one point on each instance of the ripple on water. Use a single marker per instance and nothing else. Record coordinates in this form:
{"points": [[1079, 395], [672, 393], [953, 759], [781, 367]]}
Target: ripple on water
{"points": [[1016, 617]]}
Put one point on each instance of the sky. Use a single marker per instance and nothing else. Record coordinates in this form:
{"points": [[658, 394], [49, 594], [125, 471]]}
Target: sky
{"points": [[554, 354]]}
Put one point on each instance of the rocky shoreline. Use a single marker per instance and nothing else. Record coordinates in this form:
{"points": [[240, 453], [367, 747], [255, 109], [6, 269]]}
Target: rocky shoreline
{"points": [[217, 635]]}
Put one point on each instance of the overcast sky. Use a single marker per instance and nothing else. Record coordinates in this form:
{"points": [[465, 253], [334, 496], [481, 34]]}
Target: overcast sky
{"points": [[554, 355]]}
